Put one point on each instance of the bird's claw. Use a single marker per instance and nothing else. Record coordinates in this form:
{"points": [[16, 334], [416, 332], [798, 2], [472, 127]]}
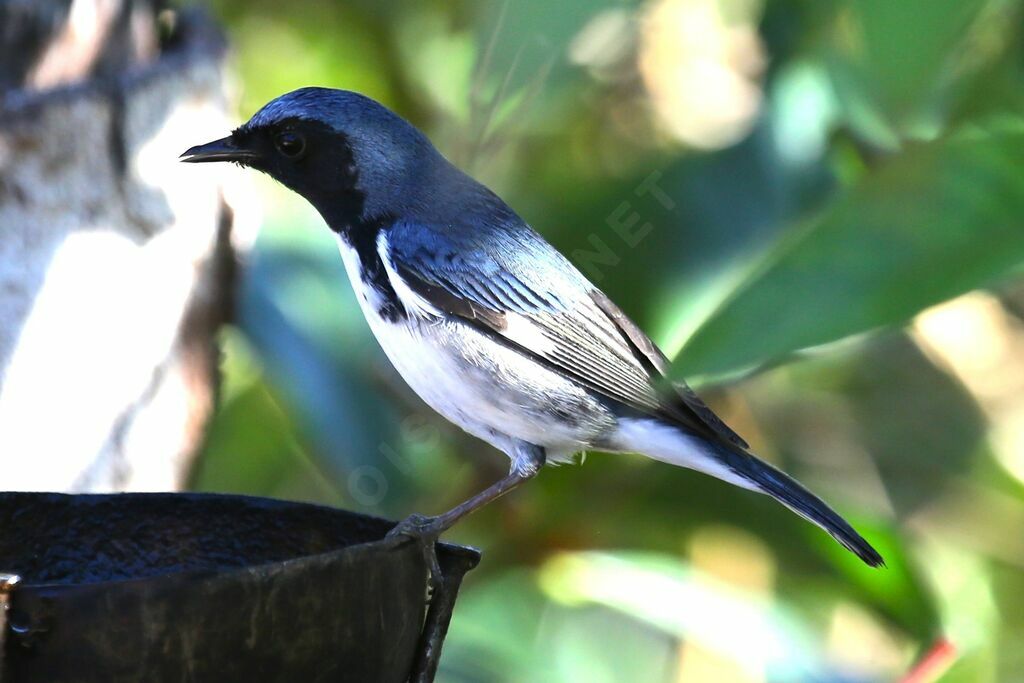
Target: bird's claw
{"points": [[425, 531], [417, 526]]}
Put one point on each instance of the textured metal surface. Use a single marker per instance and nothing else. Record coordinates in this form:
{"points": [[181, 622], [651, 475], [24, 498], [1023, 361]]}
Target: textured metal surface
{"points": [[194, 587]]}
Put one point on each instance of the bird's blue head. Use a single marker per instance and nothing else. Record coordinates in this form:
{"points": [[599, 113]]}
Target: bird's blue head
{"points": [[350, 156]]}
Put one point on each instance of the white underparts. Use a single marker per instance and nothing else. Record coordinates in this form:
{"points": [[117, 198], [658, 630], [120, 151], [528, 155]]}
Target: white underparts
{"points": [[666, 443]]}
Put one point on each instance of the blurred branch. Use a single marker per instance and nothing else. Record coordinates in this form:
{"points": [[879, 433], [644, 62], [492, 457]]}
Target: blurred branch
{"points": [[48, 43], [117, 266]]}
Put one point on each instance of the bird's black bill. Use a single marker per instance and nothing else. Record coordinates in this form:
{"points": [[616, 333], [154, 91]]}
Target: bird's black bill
{"points": [[218, 150]]}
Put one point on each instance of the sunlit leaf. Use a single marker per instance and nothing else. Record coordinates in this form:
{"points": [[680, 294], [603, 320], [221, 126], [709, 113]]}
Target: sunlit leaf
{"points": [[936, 221], [891, 60]]}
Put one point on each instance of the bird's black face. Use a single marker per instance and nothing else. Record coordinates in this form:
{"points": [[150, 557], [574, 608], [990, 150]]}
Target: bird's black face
{"points": [[307, 156], [352, 158]]}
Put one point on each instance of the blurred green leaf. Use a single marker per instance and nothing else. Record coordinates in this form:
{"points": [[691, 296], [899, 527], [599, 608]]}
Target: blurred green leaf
{"points": [[896, 590], [251, 446], [938, 220], [528, 36], [891, 60], [993, 65]]}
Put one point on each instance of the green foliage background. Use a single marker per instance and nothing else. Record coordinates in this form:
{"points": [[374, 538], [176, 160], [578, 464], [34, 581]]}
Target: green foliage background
{"points": [[881, 175]]}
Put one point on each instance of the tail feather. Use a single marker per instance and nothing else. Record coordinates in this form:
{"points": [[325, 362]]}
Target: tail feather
{"points": [[668, 443], [793, 495]]}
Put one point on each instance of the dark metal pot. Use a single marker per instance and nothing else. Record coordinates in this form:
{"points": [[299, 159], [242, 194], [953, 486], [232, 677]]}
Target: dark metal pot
{"points": [[199, 587]]}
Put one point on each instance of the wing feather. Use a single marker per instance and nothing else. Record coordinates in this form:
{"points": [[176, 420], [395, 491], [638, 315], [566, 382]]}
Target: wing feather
{"points": [[573, 327]]}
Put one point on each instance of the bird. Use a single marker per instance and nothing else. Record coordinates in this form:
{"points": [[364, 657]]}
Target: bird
{"points": [[485, 320]]}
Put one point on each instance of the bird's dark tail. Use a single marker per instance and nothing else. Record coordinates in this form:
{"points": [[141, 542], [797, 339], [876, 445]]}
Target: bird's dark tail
{"points": [[793, 495], [735, 465]]}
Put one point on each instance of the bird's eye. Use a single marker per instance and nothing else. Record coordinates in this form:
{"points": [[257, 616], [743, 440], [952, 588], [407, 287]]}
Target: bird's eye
{"points": [[290, 144]]}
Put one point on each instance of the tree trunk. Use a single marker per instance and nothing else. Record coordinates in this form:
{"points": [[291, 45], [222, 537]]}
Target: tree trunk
{"points": [[116, 261]]}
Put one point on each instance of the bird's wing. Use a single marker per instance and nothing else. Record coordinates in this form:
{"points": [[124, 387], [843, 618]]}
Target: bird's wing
{"points": [[518, 288], [659, 366]]}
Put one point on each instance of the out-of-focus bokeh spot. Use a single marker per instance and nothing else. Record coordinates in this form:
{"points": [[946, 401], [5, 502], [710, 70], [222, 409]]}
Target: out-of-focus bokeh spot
{"points": [[981, 343], [701, 61]]}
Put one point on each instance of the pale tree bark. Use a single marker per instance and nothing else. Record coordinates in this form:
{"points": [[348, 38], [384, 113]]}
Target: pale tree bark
{"points": [[116, 261]]}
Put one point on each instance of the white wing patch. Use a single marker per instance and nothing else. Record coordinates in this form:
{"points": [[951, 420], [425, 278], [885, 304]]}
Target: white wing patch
{"points": [[413, 302], [525, 332]]}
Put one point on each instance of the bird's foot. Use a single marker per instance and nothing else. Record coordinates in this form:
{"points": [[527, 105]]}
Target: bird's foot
{"points": [[425, 531]]}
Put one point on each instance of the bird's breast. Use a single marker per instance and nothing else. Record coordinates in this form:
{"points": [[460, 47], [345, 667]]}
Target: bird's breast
{"points": [[485, 387]]}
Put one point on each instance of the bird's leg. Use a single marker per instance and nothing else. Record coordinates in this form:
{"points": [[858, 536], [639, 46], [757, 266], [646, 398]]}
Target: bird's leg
{"points": [[526, 462]]}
